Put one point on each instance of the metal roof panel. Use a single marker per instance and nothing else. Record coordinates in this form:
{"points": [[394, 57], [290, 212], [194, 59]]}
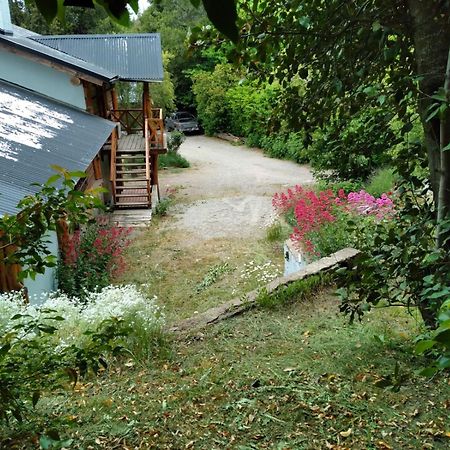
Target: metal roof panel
{"points": [[21, 41], [133, 57], [37, 132]]}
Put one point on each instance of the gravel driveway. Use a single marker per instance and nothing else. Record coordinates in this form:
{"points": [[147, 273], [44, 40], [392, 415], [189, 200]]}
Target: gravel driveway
{"points": [[227, 190]]}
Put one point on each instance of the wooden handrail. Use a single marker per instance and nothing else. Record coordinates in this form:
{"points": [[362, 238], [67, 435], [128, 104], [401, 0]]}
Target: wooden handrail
{"points": [[113, 155], [132, 119], [147, 151]]}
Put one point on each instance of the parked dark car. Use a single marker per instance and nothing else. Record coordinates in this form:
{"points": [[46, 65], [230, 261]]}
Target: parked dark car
{"points": [[182, 121]]}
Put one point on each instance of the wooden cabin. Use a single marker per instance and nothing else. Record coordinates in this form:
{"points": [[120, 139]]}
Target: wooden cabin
{"points": [[58, 105], [134, 147]]}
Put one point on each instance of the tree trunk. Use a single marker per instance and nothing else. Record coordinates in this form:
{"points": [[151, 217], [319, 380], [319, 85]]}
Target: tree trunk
{"points": [[431, 36], [443, 234]]}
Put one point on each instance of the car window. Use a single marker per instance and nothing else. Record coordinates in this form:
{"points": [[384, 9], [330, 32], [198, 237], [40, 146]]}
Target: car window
{"points": [[185, 116]]}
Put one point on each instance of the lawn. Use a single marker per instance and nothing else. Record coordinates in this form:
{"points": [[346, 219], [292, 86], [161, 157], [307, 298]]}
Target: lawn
{"points": [[297, 376], [285, 376]]}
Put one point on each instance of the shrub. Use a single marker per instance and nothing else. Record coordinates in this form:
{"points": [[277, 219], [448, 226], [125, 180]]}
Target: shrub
{"points": [[382, 181], [92, 258], [174, 141], [172, 159], [210, 89], [322, 218], [400, 265], [41, 346], [351, 149]]}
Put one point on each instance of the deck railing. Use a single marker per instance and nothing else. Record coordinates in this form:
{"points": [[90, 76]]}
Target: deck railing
{"points": [[156, 126], [131, 119], [113, 169]]}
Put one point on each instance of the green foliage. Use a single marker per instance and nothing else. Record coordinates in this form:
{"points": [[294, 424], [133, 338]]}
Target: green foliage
{"points": [[275, 232], [336, 186], [92, 258], [285, 146], [353, 149], [251, 107], [399, 264], [39, 213], [172, 159], [162, 207], [437, 343], [31, 365], [74, 21], [210, 91], [381, 182], [174, 141], [212, 276], [295, 292]]}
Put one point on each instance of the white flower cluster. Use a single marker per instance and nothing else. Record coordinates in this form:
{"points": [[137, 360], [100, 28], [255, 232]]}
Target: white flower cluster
{"points": [[127, 303], [263, 273]]}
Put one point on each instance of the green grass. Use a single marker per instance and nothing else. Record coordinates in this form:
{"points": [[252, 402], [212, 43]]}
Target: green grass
{"points": [[297, 377], [381, 182], [172, 268], [172, 159]]}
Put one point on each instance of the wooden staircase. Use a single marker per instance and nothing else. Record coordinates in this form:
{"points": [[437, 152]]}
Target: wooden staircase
{"points": [[134, 161], [132, 187]]}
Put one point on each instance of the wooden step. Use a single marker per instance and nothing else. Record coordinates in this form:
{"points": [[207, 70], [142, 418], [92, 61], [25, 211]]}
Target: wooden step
{"points": [[130, 164], [129, 172], [133, 205], [130, 150], [132, 187], [142, 194], [131, 179], [131, 157]]}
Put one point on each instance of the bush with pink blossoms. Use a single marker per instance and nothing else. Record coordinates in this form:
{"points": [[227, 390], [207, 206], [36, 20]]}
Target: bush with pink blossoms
{"points": [[92, 258], [321, 219]]}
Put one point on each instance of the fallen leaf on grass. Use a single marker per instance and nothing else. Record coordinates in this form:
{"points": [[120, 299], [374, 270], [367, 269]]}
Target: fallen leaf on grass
{"points": [[346, 433], [383, 445]]}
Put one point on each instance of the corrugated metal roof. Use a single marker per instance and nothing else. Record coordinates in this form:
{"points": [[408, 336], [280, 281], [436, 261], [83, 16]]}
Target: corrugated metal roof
{"points": [[133, 57], [23, 41], [36, 132]]}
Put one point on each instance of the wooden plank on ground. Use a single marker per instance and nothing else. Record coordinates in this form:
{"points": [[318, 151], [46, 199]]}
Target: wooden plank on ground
{"points": [[239, 305]]}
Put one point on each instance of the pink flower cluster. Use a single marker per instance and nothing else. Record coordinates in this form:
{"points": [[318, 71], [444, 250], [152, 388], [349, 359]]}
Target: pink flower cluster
{"points": [[314, 210], [365, 204], [282, 202], [104, 250], [311, 212]]}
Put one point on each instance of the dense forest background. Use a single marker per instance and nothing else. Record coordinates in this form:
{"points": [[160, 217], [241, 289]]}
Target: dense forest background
{"points": [[267, 111]]}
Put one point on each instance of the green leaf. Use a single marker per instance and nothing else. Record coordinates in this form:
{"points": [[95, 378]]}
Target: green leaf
{"points": [[52, 179], [423, 346], [428, 372], [443, 362], [48, 8], [304, 21], [446, 148], [443, 337], [78, 174], [223, 15], [195, 3], [376, 26], [35, 398]]}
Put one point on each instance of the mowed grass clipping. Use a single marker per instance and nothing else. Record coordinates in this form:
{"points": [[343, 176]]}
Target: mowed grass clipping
{"points": [[293, 377]]}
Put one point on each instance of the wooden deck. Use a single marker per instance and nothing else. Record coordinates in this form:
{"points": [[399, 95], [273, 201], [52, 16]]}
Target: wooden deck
{"points": [[131, 142]]}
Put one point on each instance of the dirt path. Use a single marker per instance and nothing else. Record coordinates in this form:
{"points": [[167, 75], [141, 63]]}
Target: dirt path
{"points": [[227, 191]]}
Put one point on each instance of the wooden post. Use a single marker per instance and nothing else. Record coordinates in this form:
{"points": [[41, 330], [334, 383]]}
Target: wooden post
{"points": [[115, 100], [146, 102]]}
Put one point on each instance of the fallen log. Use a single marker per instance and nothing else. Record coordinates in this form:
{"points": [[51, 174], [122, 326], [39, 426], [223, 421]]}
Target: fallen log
{"points": [[239, 305]]}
